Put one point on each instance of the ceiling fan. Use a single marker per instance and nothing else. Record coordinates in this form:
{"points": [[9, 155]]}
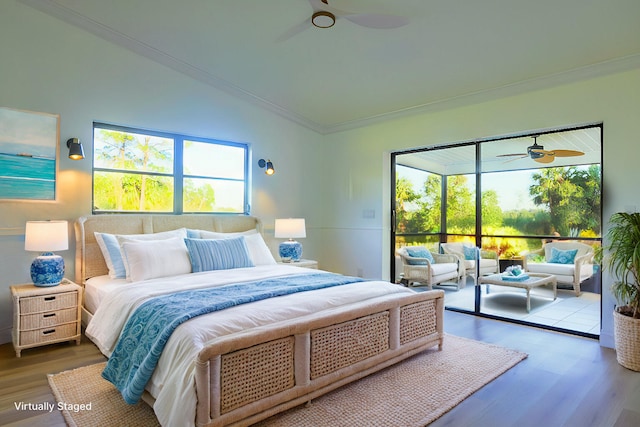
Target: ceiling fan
{"points": [[539, 154], [325, 16]]}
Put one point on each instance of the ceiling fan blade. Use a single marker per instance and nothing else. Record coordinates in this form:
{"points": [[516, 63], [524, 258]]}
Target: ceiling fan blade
{"points": [[295, 30], [523, 156], [371, 20], [545, 159], [514, 154], [567, 153]]}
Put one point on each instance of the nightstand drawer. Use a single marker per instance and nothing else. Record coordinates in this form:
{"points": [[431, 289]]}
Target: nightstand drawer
{"points": [[48, 334], [53, 302], [45, 315], [50, 318]]}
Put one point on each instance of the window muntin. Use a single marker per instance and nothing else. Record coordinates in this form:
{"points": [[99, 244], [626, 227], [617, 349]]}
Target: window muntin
{"points": [[144, 171]]}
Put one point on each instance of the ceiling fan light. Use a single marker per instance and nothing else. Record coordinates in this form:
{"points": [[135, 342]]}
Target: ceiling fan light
{"points": [[323, 19]]}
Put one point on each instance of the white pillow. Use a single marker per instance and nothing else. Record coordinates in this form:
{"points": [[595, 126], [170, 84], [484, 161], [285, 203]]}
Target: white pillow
{"points": [[258, 250], [112, 251], [149, 259], [220, 235]]}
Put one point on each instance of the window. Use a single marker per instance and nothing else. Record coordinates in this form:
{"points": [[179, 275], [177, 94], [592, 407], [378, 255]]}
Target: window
{"points": [[144, 171]]}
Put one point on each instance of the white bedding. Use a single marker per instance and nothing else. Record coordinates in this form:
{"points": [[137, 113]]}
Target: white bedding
{"points": [[97, 287], [172, 384]]}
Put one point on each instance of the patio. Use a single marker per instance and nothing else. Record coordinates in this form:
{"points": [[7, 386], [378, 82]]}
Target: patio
{"points": [[580, 314]]}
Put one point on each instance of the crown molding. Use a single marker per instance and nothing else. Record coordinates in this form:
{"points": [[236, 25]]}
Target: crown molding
{"points": [[615, 65]]}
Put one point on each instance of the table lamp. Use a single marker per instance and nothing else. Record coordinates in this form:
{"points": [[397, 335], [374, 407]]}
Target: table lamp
{"points": [[290, 228], [46, 237]]}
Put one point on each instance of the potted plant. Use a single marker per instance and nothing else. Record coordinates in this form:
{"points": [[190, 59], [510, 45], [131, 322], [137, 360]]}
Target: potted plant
{"points": [[622, 256]]}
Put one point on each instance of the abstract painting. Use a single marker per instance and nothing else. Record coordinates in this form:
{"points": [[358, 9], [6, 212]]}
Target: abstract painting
{"points": [[28, 147]]}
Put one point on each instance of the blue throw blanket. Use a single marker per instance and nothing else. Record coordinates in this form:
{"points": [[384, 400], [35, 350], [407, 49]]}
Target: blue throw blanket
{"points": [[148, 329]]}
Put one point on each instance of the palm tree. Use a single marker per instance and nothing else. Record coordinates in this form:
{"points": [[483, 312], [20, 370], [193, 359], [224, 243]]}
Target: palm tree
{"points": [[554, 188]]}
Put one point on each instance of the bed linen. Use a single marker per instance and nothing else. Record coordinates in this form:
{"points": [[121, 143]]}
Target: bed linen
{"points": [[96, 288], [172, 383], [149, 327]]}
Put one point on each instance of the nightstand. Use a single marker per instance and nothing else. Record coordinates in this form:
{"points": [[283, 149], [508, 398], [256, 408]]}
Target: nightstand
{"points": [[308, 263], [45, 315]]}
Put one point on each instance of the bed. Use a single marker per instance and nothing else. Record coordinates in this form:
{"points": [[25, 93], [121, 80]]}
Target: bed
{"points": [[245, 363]]}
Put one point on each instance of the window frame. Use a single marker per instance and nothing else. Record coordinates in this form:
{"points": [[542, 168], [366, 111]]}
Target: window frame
{"points": [[178, 174]]}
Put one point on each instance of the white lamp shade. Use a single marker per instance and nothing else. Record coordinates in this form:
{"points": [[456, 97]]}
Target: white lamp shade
{"points": [[46, 236], [290, 228]]}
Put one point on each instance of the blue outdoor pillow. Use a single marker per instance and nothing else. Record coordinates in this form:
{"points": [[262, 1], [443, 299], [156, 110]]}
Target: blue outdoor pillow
{"points": [[559, 256], [419, 252], [470, 252]]}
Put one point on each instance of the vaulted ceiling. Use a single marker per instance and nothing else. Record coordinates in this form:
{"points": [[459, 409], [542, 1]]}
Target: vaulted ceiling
{"points": [[449, 53]]}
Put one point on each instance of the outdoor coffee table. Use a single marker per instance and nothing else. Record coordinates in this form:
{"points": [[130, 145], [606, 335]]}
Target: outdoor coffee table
{"points": [[534, 280]]}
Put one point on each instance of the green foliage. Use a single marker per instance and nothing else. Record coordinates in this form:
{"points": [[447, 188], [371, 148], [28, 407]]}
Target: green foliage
{"points": [[114, 191], [124, 188], [405, 196], [622, 256], [461, 213], [530, 222], [418, 212], [492, 215], [198, 198], [506, 247], [569, 200], [571, 195]]}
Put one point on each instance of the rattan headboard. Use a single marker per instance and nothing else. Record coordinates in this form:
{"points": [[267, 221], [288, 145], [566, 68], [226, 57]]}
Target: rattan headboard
{"points": [[89, 259]]}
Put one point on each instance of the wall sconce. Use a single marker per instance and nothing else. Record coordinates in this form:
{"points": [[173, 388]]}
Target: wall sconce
{"points": [[76, 152], [267, 165]]}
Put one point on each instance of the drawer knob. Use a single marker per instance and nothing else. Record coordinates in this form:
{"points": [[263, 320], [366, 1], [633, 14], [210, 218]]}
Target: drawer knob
{"points": [[47, 332], [52, 298], [49, 315]]}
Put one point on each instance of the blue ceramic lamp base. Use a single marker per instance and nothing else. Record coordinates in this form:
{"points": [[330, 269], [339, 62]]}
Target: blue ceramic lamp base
{"points": [[290, 251], [47, 270]]}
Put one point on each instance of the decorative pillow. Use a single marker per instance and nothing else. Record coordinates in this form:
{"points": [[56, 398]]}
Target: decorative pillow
{"points": [[193, 233], [218, 254], [419, 252], [204, 234], [470, 252], [110, 246], [559, 256], [258, 249], [149, 259]]}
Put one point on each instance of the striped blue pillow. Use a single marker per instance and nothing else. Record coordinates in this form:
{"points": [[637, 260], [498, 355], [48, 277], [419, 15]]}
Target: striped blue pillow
{"points": [[222, 254]]}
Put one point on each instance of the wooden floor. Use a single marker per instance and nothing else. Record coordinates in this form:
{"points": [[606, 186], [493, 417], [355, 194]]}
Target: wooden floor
{"points": [[24, 379], [565, 381]]}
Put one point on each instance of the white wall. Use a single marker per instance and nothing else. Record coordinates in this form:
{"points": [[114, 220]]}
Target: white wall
{"points": [[49, 66], [360, 162]]}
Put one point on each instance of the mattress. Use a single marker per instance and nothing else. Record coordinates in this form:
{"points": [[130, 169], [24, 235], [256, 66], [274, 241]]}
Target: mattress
{"points": [[96, 288]]}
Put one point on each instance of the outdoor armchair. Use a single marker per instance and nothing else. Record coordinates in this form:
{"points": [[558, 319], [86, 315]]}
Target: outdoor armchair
{"points": [[467, 254], [421, 267], [570, 262]]}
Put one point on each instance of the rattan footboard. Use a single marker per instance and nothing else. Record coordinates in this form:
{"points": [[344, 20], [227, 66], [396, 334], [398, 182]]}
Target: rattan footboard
{"points": [[250, 376]]}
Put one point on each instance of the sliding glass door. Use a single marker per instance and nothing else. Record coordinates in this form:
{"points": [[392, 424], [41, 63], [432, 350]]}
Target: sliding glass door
{"points": [[508, 197]]}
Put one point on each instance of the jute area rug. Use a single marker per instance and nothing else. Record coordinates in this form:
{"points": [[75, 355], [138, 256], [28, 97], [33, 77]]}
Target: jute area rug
{"points": [[413, 393]]}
